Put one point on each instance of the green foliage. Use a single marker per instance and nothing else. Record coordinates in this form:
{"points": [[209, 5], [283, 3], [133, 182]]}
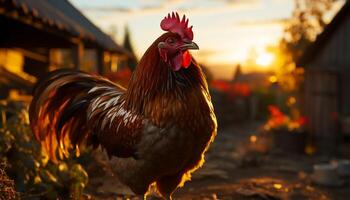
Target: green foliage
{"points": [[34, 175]]}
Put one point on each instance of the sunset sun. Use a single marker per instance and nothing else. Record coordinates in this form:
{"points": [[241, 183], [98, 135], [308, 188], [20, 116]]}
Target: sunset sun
{"points": [[264, 59]]}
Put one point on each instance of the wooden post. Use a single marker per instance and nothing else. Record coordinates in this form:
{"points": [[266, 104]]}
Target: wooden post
{"points": [[77, 55], [100, 61], [53, 59]]}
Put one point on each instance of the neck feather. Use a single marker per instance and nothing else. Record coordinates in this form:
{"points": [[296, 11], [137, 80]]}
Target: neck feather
{"points": [[153, 79]]}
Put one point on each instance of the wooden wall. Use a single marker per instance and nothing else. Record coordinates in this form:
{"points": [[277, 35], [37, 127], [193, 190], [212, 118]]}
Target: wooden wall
{"points": [[335, 53], [345, 94], [327, 87], [322, 104]]}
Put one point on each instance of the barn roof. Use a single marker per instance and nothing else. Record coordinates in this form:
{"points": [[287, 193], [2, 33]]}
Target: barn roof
{"points": [[322, 38], [61, 15]]}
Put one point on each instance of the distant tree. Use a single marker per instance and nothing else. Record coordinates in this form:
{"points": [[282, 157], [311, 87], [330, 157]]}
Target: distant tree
{"points": [[307, 21], [132, 61], [237, 73]]}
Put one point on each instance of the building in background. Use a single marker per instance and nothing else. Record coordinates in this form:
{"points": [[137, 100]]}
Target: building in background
{"points": [[327, 83], [43, 35]]}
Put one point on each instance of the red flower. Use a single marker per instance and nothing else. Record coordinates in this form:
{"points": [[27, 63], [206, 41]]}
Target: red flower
{"points": [[275, 111], [232, 89], [302, 121]]}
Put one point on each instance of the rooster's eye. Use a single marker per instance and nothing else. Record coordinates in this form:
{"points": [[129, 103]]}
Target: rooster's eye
{"points": [[171, 41]]}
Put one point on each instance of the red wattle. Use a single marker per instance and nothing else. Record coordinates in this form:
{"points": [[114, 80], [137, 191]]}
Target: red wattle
{"points": [[186, 59]]}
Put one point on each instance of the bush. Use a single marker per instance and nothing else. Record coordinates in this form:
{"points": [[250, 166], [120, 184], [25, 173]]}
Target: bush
{"points": [[34, 175], [7, 187]]}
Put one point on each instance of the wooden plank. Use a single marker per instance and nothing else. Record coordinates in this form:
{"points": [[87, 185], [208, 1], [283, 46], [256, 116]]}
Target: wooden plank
{"points": [[345, 95], [78, 55], [347, 42], [33, 55]]}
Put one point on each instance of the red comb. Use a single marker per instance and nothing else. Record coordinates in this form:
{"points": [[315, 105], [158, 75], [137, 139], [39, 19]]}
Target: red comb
{"points": [[173, 24]]}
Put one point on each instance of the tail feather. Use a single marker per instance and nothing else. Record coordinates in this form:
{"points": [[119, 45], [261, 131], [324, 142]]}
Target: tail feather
{"points": [[58, 111], [69, 113], [39, 88]]}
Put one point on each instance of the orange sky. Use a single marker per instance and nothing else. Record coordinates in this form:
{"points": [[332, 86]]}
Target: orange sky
{"points": [[226, 30]]}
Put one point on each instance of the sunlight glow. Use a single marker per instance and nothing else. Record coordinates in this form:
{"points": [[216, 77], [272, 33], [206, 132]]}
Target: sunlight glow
{"points": [[264, 59], [273, 79], [277, 186], [253, 138]]}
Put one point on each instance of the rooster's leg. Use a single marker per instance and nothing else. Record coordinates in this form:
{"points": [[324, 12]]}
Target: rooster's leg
{"points": [[168, 198], [167, 185]]}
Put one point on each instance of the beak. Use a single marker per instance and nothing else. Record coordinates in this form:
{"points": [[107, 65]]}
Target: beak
{"points": [[190, 45]]}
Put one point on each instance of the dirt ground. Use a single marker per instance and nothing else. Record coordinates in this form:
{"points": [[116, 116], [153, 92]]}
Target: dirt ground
{"points": [[237, 167]]}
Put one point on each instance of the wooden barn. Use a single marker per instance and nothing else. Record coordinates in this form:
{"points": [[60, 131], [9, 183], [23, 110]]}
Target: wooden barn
{"points": [[327, 83], [41, 35]]}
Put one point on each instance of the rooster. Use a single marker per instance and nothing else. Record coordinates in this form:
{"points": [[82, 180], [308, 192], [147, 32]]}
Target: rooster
{"points": [[157, 129]]}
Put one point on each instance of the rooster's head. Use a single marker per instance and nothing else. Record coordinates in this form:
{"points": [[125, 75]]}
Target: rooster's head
{"points": [[174, 49]]}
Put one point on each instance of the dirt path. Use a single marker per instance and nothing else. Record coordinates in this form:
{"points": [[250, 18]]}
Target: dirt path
{"points": [[234, 169]]}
